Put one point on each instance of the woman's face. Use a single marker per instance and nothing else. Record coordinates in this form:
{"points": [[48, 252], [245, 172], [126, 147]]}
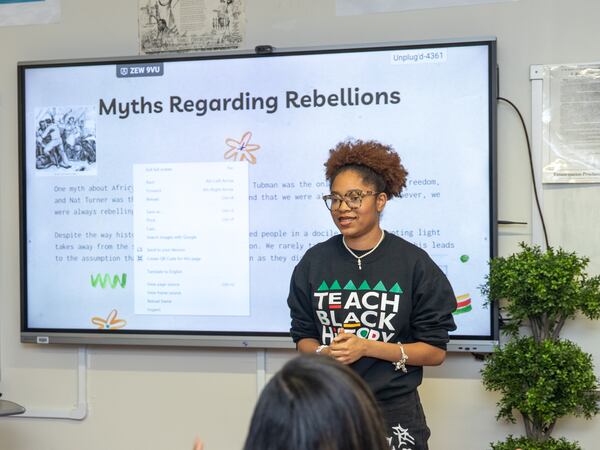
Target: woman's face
{"points": [[355, 223]]}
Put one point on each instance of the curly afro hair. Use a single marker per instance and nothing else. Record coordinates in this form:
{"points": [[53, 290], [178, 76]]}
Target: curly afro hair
{"points": [[378, 164]]}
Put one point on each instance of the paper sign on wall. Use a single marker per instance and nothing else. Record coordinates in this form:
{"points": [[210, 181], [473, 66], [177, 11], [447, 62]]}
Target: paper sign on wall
{"points": [[357, 7], [29, 12], [571, 123]]}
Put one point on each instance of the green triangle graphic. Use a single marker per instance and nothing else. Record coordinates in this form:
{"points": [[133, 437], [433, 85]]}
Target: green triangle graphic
{"points": [[335, 286], [396, 289], [364, 286], [350, 286], [323, 287], [380, 287]]}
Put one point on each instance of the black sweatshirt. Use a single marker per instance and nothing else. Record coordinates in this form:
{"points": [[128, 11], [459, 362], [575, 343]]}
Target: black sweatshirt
{"points": [[400, 295]]}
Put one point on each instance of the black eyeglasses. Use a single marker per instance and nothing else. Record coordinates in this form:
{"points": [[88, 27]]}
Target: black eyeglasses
{"points": [[352, 198]]}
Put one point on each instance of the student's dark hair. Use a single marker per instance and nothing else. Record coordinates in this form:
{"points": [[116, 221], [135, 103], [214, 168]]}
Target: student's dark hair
{"points": [[316, 403], [377, 164]]}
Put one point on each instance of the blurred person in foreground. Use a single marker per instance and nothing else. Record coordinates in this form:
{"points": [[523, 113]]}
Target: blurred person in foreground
{"points": [[315, 403]]}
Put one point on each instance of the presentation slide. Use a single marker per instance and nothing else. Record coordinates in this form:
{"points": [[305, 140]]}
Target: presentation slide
{"points": [[178, 195]]}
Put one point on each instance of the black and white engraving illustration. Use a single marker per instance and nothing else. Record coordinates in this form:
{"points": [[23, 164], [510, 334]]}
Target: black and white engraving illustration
{"points": [[65, 140], [183, 25]]}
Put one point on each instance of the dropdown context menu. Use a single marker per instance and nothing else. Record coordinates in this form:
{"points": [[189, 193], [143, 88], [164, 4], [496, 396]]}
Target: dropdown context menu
{"points": [[191, 239]]}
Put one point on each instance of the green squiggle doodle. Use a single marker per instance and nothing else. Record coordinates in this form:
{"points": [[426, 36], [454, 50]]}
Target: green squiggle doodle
{"points": [[105, 280]]}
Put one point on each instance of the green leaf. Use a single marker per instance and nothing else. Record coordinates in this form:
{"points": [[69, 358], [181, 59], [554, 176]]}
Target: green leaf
{"points": [[542, 380], [524, 443], [542, 290]]}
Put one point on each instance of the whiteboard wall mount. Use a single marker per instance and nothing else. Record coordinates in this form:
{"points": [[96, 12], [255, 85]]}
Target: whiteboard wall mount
{"points": [[472, 346]]}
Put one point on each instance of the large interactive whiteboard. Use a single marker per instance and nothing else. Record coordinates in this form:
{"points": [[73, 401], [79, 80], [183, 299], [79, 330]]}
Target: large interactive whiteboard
{"points": [[166, 201]]}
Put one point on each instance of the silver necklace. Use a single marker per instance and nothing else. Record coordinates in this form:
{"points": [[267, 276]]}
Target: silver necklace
{"points": [[358, 258]]}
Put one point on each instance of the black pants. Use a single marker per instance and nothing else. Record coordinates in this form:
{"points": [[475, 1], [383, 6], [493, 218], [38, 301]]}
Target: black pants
{"points": [[406, 425]]}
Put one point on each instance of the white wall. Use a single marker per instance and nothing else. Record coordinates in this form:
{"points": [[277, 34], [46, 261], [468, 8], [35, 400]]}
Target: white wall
{"points": [[161, 398]]}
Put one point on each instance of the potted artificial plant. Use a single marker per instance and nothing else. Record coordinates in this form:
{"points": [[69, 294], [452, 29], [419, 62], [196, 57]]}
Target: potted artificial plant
{"points": [[539, 375]]}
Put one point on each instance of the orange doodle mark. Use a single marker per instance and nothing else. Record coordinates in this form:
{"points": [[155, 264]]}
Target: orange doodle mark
{"points": [[110, 323], [241, 150]]}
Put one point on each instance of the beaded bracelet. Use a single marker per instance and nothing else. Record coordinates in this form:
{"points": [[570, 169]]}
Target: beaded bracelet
{"points": [[401, 363]]}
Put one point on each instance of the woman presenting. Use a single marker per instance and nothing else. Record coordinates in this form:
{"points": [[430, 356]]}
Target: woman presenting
{"points": [[367, 297]]}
